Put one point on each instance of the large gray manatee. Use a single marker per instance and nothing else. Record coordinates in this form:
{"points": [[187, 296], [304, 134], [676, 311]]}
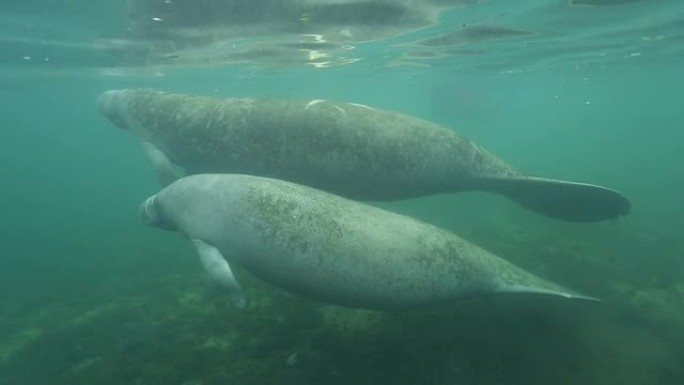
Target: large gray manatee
{"points": [[352, 150], [328, 248]]}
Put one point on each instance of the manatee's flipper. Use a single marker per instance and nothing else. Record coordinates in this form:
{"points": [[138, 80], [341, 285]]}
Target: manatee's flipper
{"points": [[163, 167], [219, 271], [568, 201]]}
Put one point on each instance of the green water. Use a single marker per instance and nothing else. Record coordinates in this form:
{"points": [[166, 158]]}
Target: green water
{"points": [[88, 295]]}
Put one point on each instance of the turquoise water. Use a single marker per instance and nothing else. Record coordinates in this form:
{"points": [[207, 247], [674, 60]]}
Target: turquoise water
{"points": [[588, 92]]}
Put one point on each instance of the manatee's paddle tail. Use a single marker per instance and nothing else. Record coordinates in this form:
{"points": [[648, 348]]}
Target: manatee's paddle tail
{"points": [[556, 292], [515, 280], [568, 201]]}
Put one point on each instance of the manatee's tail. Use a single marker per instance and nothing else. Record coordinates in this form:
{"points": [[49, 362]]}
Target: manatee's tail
{"points": [[519, 281], [568, 201], [556, 292]]}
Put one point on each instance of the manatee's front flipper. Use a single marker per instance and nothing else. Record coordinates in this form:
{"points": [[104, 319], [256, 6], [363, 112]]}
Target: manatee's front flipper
{"points": [[163, 167], [219, 271], [568, 201]]}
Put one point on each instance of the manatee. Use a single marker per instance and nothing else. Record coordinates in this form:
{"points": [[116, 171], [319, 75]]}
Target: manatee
{"points": [[328, 248], [348, 149]]}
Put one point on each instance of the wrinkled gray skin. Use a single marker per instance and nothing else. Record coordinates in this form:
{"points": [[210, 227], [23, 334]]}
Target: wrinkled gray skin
{"points": [[348, 149], [329, 248]]}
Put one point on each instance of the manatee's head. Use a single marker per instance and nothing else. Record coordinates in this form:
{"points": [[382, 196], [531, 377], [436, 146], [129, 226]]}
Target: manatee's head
{"points": [[112, 104], [151, 214]]}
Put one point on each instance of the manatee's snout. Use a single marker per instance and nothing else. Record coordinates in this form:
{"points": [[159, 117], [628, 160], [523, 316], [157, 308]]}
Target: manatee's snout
{"points": [[147, 212], [151, 215], [112, 105]]}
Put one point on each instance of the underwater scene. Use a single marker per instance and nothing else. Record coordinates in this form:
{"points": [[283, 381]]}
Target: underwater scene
{"points": [[206, 192]]}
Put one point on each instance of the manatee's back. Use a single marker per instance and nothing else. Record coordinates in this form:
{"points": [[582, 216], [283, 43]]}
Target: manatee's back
{"points": [[349, 149], [333, 249], [339, 251]]}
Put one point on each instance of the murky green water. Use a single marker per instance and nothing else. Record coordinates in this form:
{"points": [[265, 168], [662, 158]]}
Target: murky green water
{"points": [[88, 295]]}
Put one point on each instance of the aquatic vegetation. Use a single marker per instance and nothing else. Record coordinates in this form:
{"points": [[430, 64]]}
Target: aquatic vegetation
{"points": [[183, 331], [17, 341]]}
